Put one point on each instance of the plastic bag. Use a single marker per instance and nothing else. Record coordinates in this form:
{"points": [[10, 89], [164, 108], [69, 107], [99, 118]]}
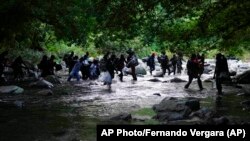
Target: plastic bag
{"points": [[105, 77]]}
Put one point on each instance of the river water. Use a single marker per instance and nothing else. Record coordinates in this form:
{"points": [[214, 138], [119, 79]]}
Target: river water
{"points": [[74, 110]]}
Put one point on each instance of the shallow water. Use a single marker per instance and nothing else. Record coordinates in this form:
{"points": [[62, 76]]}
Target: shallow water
{"points": [[75, 109]]}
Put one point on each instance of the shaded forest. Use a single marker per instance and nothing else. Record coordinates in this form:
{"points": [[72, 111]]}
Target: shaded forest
{"points": [[57, 27]]}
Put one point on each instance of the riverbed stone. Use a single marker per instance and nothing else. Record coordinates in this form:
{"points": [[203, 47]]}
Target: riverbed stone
{"points": [[175, 109], [42, 84], [154, 80], [158, 74], [243, 78], [11, 89], [53, 79], [138, 70], [122, 116], [45, 92], [177, 80]]}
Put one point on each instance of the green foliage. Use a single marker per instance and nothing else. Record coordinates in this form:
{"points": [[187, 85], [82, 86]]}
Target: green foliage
{"points": [[99, 26]]}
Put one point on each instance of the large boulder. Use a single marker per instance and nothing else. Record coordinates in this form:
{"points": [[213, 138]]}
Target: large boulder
{"points": [[11, 89], [243, 78], [53, 79], [171, 109], [42, 84], [140, 69]]}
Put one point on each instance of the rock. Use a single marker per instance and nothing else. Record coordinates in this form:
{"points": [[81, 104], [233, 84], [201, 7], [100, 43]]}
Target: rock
{"points": [[220, 121], [158, 94], [246, 89], [193, 104], [138, 70], [45, 92], [11, 104], [243, 78], [33, 74], [19, 104], [154, 80], [177, 80], [52, 79], [245, 104], [203, 113], [11, 89], [122, 116], [42, 84], [175, 109], [92, 83], [141, 118], [158, 74]]}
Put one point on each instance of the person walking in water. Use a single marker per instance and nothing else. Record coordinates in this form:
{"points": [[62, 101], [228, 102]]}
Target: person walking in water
{"points": [[120, 65], [151, 63], [164, 61], [75, 71], [174, 63], [221, 72], [132, 62], [193, 71]]}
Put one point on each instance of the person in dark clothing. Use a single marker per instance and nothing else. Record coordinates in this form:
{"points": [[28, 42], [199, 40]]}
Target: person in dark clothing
{"points": [[111, 65], [70, 62], [201, 60], [94, 70], [103, 62], [120, 65], [193, 71], [3, 60], [85, 69], [179, 64], [51, 65], [221, 69], [132, 62], [174, 63], [43, 66], [151, 63], [17, 67], [164, 61]]}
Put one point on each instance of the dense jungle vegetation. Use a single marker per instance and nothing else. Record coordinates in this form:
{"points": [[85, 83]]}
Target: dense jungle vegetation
{"points": [[33, 27]]}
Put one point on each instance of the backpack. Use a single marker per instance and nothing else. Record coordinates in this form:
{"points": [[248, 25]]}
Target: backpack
{"points": [[103, 65], [133, 62]]}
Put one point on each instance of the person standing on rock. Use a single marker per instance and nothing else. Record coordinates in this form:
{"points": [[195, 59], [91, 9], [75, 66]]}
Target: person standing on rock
{"points": [[193, 71], [132, 62], [151, 63], [221, 72]]}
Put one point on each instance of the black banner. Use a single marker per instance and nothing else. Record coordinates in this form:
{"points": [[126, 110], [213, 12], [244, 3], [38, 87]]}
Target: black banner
{"points": [[163, 132]]}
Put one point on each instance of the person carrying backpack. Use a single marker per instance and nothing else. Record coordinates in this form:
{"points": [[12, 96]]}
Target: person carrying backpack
{"points": [[132, 62], [193, 71]]}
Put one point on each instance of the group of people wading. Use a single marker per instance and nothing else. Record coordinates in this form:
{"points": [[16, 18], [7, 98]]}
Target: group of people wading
{"points": [[111, 64]]}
